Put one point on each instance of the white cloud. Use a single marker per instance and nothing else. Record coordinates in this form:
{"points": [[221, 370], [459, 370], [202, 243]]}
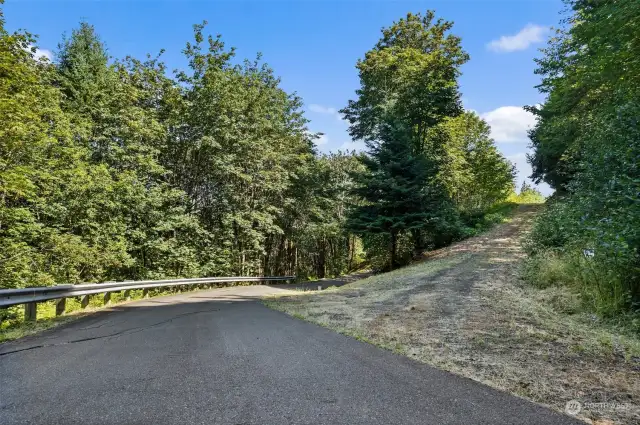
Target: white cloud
{"points": [[524, 171], [327, 110], [322, 109], [43, 52], [322, 140], [518, 158], [523, 167], [357, 146], [527, 36], [509, 124], [40, 53]]}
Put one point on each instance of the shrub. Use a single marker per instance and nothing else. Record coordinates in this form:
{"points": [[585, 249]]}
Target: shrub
{"points": [[602, 282], [547, 269]]}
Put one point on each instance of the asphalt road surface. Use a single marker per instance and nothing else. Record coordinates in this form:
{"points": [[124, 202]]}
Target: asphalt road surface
{"points": [[220, 357]]}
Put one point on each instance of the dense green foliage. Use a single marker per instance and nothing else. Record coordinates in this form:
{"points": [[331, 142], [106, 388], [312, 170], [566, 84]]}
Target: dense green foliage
{"points": [[587, 147], [427, 163], [114, 169]]}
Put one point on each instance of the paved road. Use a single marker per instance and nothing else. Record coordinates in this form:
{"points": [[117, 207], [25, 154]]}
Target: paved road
{"points": [[220, 357]]}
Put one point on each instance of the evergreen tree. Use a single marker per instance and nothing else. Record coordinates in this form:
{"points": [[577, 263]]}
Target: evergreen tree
{"points": [[408, 86], [37, 159], [396, 190], [140, 217]]}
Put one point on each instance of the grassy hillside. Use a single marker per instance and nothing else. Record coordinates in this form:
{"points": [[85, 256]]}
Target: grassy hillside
{"points": [[467, 310]]}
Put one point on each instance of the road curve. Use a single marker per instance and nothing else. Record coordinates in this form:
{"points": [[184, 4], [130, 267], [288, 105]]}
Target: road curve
{"points": [[220, 357]]}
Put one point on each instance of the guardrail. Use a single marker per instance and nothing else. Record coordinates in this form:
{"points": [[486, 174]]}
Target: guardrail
{"points": [[31, 296]]}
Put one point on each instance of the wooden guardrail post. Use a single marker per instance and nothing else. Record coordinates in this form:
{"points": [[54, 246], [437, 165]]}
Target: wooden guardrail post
{"points": [[61, 304], [30, 312]]}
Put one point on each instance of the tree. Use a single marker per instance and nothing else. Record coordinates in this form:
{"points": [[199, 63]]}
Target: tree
{"points": [[113, 169], [408, 85], [529, 195], [116, 120], [235, 148], [474, 172], [315, 241], [587, 144], [397, 190], [37, 154]]}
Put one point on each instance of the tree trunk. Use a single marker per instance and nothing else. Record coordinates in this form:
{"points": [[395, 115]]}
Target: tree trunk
{"points": [[289, 256], [393, 248], [418, 241], [351, 242], [267, 256], [279, 267], [321, 261]]}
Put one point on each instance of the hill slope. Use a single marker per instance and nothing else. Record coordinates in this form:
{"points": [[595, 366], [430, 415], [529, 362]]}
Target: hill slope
{"points": [[465, 310]]}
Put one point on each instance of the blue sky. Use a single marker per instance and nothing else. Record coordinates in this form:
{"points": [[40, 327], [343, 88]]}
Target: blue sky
{"points": [[314, 45]]}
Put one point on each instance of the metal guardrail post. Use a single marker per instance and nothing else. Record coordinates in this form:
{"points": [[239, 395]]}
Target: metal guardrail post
{"points": [[106, 299], [61, 304], [145, 293], [84, 302], [127, 292], [30, 312]]}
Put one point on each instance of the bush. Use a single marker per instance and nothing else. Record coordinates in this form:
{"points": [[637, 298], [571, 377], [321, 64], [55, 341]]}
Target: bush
{"points": [[600, 279], [553, 228], [587, 252], [548, 269], [527, 195], [596, 236]]}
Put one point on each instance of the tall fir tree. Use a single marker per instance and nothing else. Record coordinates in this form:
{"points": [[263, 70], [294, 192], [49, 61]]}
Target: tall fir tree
{"points": [[408, 85]]}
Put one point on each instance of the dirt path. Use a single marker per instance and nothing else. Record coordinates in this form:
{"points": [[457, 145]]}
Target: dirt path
{"points": [[465, 310]]}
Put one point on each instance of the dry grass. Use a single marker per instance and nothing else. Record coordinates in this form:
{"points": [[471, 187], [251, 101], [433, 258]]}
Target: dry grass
{"points": [[466, 310]]}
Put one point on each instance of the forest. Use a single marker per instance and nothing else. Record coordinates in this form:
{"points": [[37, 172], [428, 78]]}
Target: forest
{"points": [[119, 169]]}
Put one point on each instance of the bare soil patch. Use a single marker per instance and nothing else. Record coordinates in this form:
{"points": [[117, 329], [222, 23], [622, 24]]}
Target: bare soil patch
{"points": [[465, 310]]}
